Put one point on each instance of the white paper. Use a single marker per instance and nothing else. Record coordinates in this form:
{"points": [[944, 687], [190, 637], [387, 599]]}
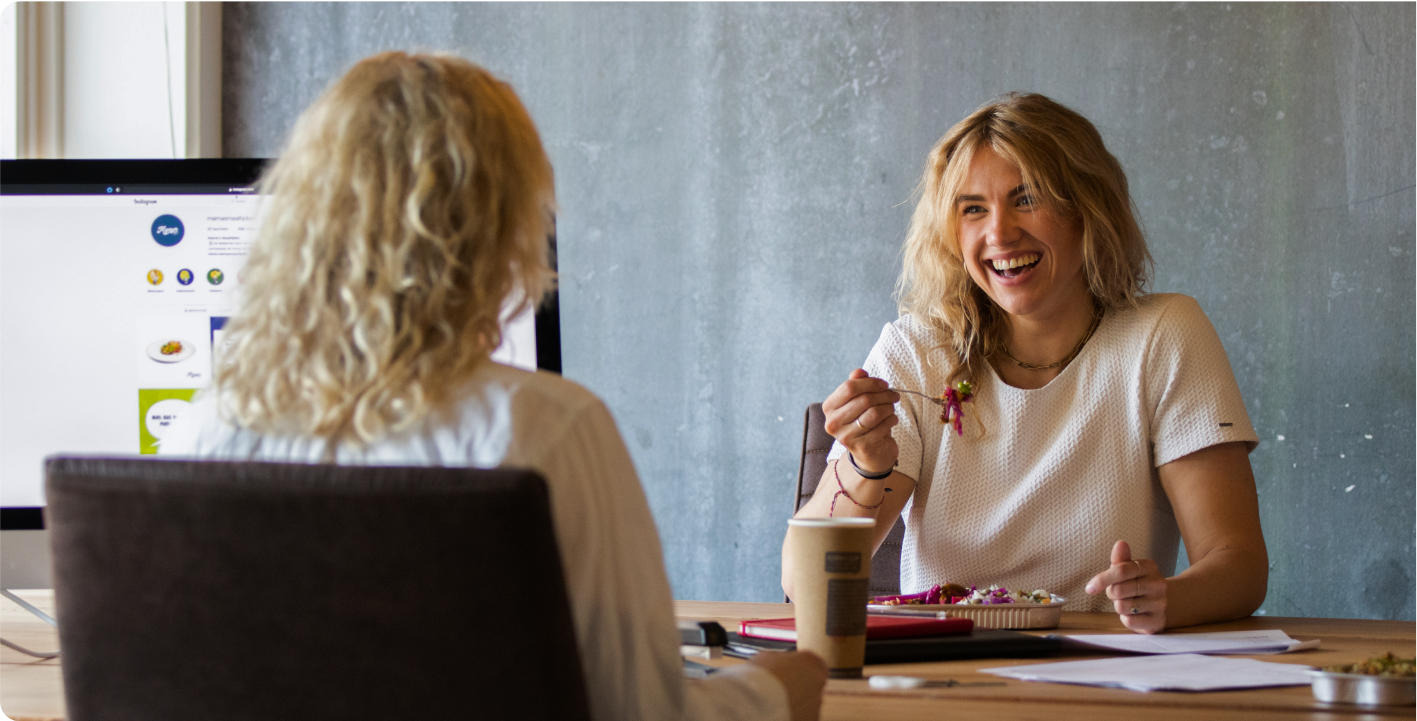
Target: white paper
{"points": [[1170, 672], [1232, 642]]}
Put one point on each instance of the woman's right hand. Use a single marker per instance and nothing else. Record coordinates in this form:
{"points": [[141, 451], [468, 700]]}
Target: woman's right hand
{"points": [[802, 674], [860, 415]]}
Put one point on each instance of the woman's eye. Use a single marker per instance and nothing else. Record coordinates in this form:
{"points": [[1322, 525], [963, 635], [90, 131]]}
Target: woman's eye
{"points": [[1025, 200], [972, 209]]}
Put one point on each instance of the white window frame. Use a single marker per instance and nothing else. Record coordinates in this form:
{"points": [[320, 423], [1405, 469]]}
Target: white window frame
{"points": [[52, 93]]}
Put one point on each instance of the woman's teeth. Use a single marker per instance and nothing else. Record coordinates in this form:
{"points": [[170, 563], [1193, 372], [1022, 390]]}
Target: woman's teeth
{"points": [[1029, 259], [1007, 268]]}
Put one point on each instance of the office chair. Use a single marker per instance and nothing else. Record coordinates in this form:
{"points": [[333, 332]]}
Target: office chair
{"points": [[212, 590], [816, 442]]}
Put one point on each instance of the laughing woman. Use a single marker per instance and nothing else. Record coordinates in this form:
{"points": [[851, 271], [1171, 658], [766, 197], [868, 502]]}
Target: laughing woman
{"points": [[1104, 426]]}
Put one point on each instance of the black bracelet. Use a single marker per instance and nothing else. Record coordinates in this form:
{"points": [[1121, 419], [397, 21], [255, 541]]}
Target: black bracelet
{"points": [[868, 476]]}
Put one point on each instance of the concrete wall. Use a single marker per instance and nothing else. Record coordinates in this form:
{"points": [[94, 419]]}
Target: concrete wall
{"points": [[734, 183]]}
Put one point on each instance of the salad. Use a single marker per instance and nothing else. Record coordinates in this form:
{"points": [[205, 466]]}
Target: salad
{"points": [[1388, 665], [955, 594], [171, 347]]}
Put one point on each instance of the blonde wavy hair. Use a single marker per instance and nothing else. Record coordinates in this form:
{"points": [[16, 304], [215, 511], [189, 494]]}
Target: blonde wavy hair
{"points": [[1061, 155], [412, 201]]}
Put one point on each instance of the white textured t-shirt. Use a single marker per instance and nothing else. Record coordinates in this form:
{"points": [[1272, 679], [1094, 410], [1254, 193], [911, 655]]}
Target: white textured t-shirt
{"points": [[619, 593], [1064, 471]]}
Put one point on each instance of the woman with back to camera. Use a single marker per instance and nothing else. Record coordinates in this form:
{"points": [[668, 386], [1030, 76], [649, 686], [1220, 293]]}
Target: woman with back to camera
{"points": [[1102, 421], [412, 200]]}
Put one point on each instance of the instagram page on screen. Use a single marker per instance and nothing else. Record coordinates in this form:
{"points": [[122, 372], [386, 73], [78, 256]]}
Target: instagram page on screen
{"points": [[117, 279]]}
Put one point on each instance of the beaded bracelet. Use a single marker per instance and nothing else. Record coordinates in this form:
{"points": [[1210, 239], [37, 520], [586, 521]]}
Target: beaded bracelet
{"points": [[841, 491]]}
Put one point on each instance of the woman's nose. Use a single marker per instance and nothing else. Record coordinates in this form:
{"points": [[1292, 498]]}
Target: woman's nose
{"points": [[1002, 229]]}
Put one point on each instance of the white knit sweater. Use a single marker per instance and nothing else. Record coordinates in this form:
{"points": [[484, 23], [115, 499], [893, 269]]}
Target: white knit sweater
{"points": [[1064, 471]]}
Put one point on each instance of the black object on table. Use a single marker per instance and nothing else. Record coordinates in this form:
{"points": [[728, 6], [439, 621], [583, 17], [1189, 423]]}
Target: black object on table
{"points": [[976, 644], [702, 633]]}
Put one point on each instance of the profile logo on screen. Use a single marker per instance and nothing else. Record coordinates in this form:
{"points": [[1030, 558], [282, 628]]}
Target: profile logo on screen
{"points": [[215, 276], [184, 276], [155, 276], [168, 230]]}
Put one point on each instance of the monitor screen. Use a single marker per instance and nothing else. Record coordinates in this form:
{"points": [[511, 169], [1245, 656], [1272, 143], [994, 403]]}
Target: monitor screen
{"points": [[116, 281]]}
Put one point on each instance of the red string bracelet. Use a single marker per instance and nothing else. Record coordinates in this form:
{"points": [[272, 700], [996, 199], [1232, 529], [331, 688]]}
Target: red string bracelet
{"points": [[841, 491]]}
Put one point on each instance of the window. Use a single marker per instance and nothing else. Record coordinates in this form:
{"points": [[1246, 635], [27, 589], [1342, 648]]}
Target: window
{"points": [[111, 80]]}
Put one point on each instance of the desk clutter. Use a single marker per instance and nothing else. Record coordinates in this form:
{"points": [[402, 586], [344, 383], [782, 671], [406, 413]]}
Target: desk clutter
{"points": [[909, 638], [903, 639], [1176, 662]]}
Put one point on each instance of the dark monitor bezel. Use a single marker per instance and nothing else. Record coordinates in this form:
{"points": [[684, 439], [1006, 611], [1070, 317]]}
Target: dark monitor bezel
{"points": [[194, 176]]}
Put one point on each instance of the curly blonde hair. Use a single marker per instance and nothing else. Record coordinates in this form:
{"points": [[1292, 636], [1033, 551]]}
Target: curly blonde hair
{"points": [[412, 201], [1059, 153]]}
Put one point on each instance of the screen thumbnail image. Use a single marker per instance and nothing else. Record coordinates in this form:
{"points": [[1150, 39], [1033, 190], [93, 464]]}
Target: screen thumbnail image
{"points": [[173, 351], [158, 409]]}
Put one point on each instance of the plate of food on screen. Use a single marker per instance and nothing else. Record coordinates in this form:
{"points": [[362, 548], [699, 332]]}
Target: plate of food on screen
{"points": [[169, 350], [992, 607]]}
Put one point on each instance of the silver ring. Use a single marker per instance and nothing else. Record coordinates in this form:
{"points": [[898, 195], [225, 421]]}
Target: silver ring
{"points": [[1136, 586]]}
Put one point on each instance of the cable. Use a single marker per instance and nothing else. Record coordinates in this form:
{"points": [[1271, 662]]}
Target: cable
{"points": [[167, 58], [41, 614], [22, 603], [27, 652]]}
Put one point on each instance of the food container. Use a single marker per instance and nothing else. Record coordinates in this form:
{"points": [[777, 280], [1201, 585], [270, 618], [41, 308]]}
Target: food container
{"points": [[995, 615], [1363, 689]]}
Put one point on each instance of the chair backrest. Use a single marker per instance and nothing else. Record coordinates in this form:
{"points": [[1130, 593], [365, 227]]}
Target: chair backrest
{"points": [[215, 590], [816, 442]]}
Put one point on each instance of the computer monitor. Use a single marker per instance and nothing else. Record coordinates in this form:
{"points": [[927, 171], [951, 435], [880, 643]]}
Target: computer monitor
{"points": [[116, 279]]}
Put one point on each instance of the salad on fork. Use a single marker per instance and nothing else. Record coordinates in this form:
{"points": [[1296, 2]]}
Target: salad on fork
{"points": [[951, 412]]}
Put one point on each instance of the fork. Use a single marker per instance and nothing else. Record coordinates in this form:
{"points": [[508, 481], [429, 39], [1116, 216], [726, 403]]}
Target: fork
{"points": [[930, 398]]}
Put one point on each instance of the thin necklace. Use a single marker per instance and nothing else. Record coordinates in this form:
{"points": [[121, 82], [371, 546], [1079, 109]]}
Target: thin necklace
{"points": [[1096, 321]]}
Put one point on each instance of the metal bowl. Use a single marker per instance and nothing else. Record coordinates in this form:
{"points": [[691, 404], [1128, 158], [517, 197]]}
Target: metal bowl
{"points": [[1362, 689]]}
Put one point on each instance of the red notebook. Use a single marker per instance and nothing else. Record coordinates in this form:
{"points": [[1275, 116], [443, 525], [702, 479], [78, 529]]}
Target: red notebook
{"points": [[785, 629]]}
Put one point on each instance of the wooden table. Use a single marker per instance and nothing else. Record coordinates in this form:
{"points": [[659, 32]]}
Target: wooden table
{"points": [[1342, 641], [32, 689]]}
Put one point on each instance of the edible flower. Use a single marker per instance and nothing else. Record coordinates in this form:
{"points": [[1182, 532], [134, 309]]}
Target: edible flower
{"points": [[952, 413]]}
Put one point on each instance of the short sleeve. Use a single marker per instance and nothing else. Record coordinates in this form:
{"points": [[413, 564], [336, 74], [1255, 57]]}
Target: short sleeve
{"points": [[895, 360], [1191, 388]]}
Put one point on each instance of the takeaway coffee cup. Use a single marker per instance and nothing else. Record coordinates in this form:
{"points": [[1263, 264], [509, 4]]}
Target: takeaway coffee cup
{"points": [[831, 576]]}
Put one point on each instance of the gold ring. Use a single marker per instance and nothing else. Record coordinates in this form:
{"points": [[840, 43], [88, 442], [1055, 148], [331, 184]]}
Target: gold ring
{"points": [[858, 425]]}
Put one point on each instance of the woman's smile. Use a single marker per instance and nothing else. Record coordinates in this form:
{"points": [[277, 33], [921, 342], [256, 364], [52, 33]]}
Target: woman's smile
{"points": [[1014, 267]]}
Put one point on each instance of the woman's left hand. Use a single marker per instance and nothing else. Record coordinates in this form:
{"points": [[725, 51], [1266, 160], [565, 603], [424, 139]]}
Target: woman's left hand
{"points": [[1137, 590]]}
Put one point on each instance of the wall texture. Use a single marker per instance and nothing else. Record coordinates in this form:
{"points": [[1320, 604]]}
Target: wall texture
{"points": [[735, 181]]}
